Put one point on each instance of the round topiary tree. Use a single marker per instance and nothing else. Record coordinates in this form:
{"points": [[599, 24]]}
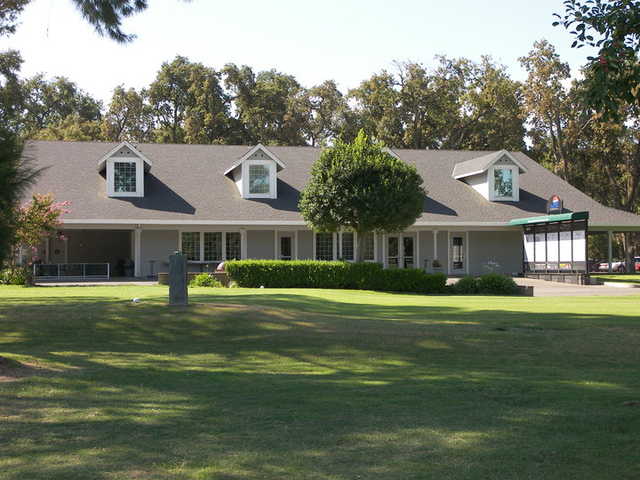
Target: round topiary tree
{"points": [[361, 187]]}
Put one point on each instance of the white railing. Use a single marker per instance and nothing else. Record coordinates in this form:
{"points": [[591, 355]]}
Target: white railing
{"points": [[71, 271]]}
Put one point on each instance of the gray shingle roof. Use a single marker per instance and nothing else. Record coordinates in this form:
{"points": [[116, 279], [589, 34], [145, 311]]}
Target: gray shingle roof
{"points": [[187, 182], [477, 165]]}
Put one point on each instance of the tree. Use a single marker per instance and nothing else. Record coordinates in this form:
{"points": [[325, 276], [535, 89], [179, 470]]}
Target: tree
{"points": [[16, 175], [207, 118], [129, 117], [49, 103], [10, 10], [550, 108], [489, 112], [269, 106], [360, 187], [611, 26], [457, 105], [325, 110], [36, 221]]}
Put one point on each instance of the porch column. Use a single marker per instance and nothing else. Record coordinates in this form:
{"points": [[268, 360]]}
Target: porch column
{"points": [[385, 259], [275, 244], [610, 248], [417, 261], [137, 252], [243, 243], [295, 245], [435, 245]]}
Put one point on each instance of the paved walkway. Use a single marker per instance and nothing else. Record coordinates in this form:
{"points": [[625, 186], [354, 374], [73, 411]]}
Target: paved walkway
{"points": [[542, 288], [91, 283]]}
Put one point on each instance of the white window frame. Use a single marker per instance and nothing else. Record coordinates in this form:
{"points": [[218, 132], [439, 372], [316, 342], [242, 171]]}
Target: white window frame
{"points": [[243, 242], [273, 184], [515, 172], [334, 239], [337, 246], [139, 163]]}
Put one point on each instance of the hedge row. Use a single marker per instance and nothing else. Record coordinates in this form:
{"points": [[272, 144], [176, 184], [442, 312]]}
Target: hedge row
{"points": [[489, 284], [341, 275]]}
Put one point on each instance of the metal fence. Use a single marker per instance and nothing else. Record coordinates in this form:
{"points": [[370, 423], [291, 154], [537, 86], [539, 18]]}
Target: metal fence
{"points": [[71, 271]]}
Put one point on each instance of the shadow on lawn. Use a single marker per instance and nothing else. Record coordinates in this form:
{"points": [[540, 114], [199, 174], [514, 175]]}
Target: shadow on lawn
{"points": [[308, 388]]}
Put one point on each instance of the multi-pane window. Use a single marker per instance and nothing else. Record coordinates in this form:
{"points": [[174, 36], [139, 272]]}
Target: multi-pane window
{"points": [[233, 246], [191, 245], [369, 248], [324, 246], [124, 177], [258, 179], [212, 246], [346, 245], [503, 182]]}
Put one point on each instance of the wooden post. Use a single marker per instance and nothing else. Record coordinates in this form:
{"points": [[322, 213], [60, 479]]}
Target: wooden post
{"points": [[178, 294]]}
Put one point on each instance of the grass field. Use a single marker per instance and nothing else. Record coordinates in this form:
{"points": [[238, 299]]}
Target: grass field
{"points": [[627, 278], [317, 384]]}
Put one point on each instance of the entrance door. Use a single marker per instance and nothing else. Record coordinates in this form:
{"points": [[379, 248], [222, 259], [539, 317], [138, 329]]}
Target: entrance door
{"points": [[458, 249], [393, 252], [407, 252], [57, 250], [400, 251], [286, 250]]}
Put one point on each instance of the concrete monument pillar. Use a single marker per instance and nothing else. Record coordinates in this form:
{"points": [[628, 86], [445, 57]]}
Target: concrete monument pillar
{"points": [[178, 294]]}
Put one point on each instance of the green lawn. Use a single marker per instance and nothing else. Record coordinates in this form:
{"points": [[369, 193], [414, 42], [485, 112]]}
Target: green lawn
{"points": [[627, 278], [317, 384]]}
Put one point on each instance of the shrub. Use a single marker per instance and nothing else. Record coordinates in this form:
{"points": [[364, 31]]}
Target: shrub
{"points": [[205, 280], [496, 284], [465, 286], [320, 274], [13, 276]]}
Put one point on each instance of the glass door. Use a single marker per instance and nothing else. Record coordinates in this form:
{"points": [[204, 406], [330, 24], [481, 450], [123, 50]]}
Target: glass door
{"points": [[458, 265], [407, 252], [286, 249], [393, 252]]}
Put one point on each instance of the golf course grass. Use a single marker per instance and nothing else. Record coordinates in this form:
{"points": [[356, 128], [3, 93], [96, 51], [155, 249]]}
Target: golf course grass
{"points": [[316, 384]]}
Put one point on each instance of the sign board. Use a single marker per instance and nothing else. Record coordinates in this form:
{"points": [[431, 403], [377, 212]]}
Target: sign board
{"points": [[554, 205]]}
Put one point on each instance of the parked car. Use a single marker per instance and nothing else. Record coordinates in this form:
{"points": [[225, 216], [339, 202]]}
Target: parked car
{"points": [[616, 266], [637, 263]]}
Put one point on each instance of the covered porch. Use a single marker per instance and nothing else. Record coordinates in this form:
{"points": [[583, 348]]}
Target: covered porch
{"points": [[86, 254]]}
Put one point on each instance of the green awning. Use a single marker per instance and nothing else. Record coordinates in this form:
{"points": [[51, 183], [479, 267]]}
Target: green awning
{"points": [[561, 217]]}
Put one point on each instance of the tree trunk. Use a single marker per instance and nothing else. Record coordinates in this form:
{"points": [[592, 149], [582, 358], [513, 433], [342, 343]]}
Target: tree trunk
{"points": [[360, 246]]}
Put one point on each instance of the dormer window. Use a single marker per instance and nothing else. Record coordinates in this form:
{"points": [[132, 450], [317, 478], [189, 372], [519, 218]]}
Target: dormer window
{"points": [[494, 176], [124, 177], [125, 167], [256, 173], [259, 178], [504, 182]]}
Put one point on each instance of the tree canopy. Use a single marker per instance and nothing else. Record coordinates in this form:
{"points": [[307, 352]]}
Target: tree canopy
{"points": [[613, 27], [359, 186]]}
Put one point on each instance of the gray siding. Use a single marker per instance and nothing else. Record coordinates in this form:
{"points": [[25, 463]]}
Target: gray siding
{"points": [[503, 247], [443, 250], [305, 244], [156, 246], [260, 244], [426, 250]]}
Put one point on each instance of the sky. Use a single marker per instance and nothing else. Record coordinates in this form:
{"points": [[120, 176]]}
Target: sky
{"points": [[346, 41]]}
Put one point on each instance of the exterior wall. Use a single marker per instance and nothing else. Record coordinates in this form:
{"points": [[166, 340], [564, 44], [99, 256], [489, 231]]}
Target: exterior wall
{"points": [[156, 246], [502, 247], [305, 244], [426, 250], [443, 250], [99, 246], [260, 244], [479, 183]]}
